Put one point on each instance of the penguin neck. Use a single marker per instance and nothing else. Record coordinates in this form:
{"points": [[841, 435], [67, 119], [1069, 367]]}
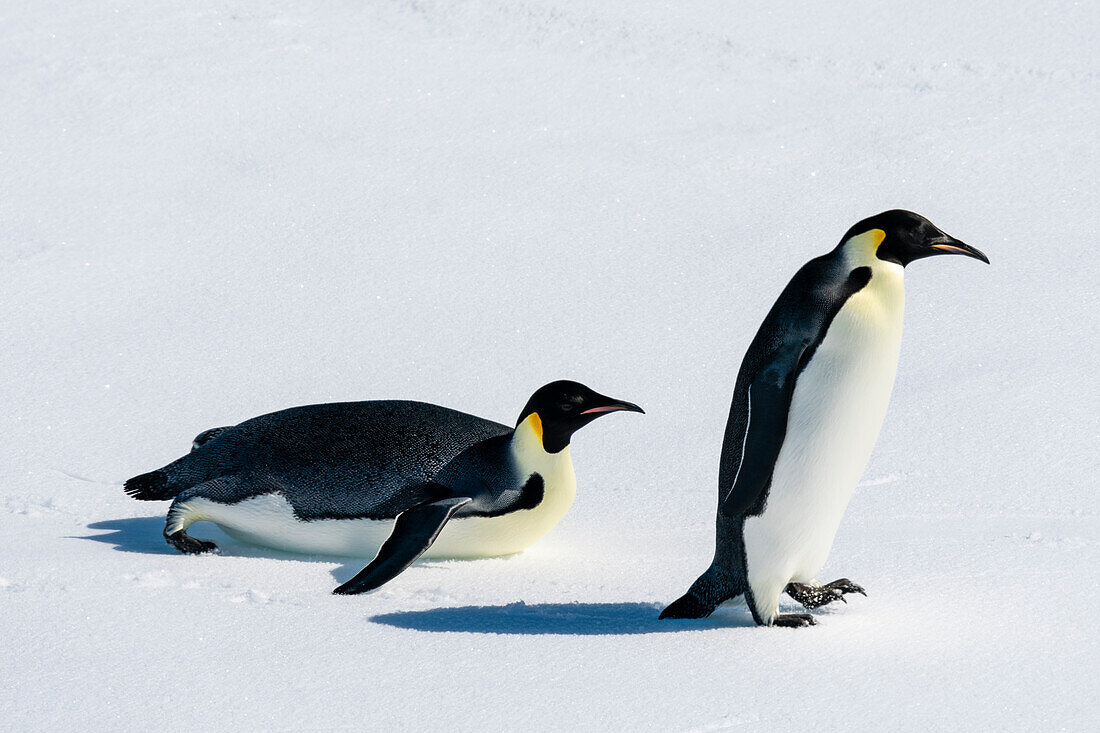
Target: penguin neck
{"points": [[862, 251], [882, 301], [532, 457]]}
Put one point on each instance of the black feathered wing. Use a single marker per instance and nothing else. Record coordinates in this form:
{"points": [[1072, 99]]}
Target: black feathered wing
{"points": [[767, 403], [480, 481], [786, 341], [413, 533]]}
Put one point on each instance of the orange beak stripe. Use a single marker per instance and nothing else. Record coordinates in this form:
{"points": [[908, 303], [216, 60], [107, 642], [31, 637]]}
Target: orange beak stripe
{"points": [[950, 248], [608, 408]]}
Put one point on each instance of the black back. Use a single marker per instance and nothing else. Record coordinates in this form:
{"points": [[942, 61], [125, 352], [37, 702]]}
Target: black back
{"points": [[347, 459]]}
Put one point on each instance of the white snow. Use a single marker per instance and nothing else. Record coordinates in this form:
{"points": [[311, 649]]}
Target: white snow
{"points": [[213, 210]]}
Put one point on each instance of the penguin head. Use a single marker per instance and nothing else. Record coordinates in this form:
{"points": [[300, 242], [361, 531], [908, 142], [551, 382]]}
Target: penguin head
{"points": [[559, 409], [901, 236]]}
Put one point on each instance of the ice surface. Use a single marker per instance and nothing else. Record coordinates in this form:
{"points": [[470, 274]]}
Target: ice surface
{"points": [[213, 210]]}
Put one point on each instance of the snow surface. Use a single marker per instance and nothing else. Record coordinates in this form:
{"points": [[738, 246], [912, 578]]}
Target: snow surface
{"points": [[210, 210]]}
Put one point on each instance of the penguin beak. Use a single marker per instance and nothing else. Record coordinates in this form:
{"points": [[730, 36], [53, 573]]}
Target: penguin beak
{"points": [[613, 406], [946, 244]]}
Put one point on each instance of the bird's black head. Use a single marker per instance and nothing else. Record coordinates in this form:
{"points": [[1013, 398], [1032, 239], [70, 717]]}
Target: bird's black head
{"points": [[559, 409], [901, 236]]}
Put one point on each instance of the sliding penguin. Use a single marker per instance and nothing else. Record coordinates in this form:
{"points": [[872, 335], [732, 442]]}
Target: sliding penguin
{"points": [[807, 407], [400, 479]]}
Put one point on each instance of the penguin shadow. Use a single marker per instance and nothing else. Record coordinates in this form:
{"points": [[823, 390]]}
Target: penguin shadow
{"points": [[134, 534], [145, 535], [562, 619]]}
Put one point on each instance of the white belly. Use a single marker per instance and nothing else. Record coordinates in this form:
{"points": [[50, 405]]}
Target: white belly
{"points": [[269, 520], [837, 408]]}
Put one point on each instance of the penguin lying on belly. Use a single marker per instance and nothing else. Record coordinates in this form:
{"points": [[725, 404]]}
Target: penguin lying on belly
{"points": [[807, 407], [396, 478]]}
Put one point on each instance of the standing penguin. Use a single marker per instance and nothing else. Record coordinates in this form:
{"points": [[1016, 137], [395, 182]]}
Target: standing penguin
{"points": [[402, 479], [807, 407]]}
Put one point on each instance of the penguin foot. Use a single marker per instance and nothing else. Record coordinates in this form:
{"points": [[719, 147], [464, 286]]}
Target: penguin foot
{"points": [[794, 620], [813, 596], [845, 586], [188, 545], [816, 596]]}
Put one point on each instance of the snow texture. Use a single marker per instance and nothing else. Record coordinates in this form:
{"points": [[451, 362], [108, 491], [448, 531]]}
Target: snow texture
{"points": [[212, 210]]}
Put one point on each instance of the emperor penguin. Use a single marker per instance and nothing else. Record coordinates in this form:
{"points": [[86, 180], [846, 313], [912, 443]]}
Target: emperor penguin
{"points": [[808, 403], [392, 479]]}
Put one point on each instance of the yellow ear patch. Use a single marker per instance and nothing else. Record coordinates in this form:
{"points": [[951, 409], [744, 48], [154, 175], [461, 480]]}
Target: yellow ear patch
{"points": [[862, 247], [536, 424]]}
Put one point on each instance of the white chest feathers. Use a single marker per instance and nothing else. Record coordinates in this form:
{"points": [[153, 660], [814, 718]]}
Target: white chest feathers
{"points": [[269, 520], [837, 408], [518, 530]]}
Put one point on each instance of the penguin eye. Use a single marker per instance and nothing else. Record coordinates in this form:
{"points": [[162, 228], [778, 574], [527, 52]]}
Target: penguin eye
{"points": [[566, 407]]}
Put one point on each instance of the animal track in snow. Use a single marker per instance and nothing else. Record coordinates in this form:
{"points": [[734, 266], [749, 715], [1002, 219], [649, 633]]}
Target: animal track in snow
{"points": [[1035, 538], [152, 579], [35, 508], [261, 598]]}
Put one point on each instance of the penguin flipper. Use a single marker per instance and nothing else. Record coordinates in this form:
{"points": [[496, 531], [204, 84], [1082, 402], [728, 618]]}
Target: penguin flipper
{"points": [[769, 401], [414, 532], [786, 341]]}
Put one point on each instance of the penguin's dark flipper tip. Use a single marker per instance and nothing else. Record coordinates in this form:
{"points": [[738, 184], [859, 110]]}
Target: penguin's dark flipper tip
{"points": [[188, 545], [794, 620], [365, 581]]}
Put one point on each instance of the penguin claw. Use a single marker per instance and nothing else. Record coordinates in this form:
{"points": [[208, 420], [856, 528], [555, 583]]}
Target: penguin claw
{"points": [[794, 620], [843, 586]]}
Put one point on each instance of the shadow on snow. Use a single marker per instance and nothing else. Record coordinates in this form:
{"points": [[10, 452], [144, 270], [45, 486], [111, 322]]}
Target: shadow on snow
{"points": [[146, 535], [571, 619], [134, 534]]}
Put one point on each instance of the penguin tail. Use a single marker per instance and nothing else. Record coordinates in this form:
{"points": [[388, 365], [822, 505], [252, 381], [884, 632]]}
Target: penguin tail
{"points": [[688, 605], [152, 486], [709, 591]]}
